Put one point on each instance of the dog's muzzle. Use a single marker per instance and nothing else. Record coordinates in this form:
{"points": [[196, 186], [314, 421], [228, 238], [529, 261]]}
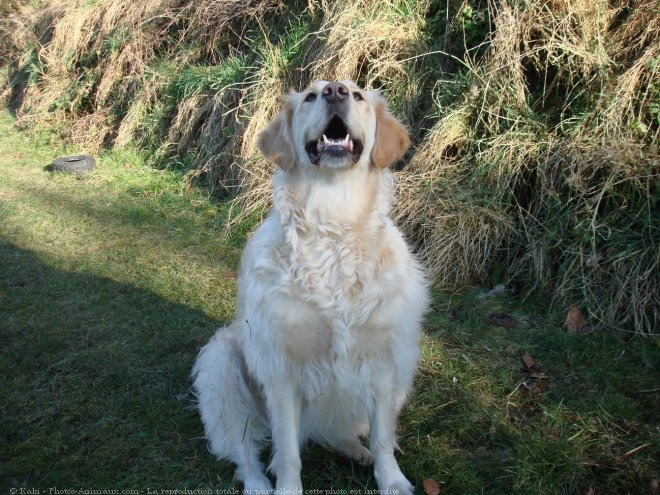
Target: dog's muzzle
{"points": [[335, 141]]}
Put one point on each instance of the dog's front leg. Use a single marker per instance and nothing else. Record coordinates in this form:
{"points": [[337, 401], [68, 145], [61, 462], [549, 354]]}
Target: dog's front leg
{"points": [[388, 475], [285, 407]]}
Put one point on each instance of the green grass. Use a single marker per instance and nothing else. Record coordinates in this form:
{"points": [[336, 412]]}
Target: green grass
{"points": [[110, 283], [195, 79]]}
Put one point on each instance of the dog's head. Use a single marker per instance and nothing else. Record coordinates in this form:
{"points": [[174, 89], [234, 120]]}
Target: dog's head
{"points": [[334, 126]]}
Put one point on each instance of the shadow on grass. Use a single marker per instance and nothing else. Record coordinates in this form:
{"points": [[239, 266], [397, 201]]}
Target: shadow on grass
{"points": [[96, 383]]}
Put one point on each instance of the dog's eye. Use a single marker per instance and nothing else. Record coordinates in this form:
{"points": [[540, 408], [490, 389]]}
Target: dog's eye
{"points": [[357, 97], [310, 97]]}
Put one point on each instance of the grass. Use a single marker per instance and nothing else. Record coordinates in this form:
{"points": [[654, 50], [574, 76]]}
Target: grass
{"points": [[111, 282], [108, 287]]}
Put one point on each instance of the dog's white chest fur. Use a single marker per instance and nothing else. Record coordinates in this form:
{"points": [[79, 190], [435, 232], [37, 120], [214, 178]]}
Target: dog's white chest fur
{"points": [[328, 279]]}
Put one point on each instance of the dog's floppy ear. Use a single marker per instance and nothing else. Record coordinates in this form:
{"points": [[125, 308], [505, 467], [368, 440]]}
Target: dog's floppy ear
{"points": [[275, 141], [392, 138]]}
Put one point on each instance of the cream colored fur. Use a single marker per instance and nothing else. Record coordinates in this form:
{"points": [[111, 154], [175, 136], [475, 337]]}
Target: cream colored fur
{"points": [[324, 346]]}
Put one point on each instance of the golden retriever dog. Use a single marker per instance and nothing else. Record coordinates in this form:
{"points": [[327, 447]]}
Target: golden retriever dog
{"points": [[324, 346]]}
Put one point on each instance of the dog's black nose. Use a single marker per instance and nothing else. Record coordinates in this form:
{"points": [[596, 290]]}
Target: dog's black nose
{"points": [[335, 92]]}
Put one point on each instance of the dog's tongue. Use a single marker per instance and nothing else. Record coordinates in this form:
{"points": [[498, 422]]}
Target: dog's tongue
{"points": [[324, 144]]}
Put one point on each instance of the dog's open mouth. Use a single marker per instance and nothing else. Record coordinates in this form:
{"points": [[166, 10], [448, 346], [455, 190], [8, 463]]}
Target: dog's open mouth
{"points": [[335, 141]]}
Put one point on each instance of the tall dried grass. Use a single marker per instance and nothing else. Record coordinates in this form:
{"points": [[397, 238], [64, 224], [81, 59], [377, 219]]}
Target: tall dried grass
{"points": [[535, 122], [495, 187], [95, 54]]}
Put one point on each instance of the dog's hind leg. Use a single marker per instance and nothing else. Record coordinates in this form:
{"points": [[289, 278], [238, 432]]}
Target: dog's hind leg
{"points": [[231, 412], [245, 454], [250, 470]]}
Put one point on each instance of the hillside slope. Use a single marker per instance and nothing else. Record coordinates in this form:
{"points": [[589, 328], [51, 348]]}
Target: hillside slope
{"points": [[535, 122]]}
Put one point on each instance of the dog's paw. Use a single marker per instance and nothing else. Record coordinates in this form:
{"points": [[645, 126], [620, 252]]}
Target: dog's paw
{"points": [[354, 450], [362, 455], [257, 485], [289, 485], [394, 483], [289, 490]]}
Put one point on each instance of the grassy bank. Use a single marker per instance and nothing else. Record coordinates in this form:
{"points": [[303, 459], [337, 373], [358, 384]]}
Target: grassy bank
{"points": [[110, 283], [535, 123]]}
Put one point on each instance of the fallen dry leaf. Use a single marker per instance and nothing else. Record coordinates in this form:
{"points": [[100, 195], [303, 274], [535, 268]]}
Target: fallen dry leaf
{"points": [[529, 362], [575, 321], [432, 487], [535, 383]]}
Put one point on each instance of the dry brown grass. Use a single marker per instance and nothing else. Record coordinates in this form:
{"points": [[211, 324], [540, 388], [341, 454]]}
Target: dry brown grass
{"points": [[623, 107], [103, 49], [218, 22], [491, 175], [370, 42], [456, 236]]}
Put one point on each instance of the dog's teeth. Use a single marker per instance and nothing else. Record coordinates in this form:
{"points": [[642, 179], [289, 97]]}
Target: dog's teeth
{"points": [[324, 142]]}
